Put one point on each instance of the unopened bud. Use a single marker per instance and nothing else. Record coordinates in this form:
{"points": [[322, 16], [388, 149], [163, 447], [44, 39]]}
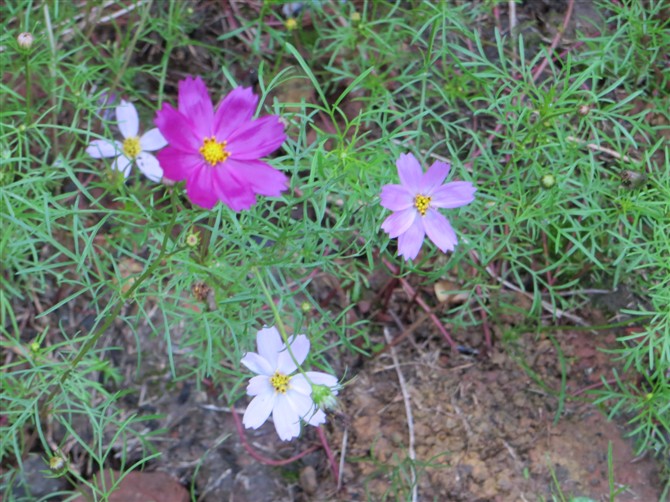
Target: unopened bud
{"points": [[548, 180], [584, 110], [306, 307], [324, 396], [56, 463], [355, 17], [290, 24], [25, 40]]}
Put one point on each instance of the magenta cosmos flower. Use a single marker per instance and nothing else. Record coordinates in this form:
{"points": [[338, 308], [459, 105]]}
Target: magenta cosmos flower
{"points": [[217, 151], [415, 202]]}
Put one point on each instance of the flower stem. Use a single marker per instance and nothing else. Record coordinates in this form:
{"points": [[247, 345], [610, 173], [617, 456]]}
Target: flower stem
{"points": [[29, 100]]}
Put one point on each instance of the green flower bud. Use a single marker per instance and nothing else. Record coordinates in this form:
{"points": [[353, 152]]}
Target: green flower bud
{"points": [[548, 180]]}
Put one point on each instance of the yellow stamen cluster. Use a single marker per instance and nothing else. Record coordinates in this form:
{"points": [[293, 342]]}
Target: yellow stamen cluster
{"points": [[131, 147], [280, 382], [213, 151], [422, 203]]}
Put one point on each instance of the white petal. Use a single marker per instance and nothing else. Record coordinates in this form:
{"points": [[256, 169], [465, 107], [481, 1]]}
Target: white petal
{"points": [[270, 344], [315, 418], [287, 421], [257, 364], [152, 140], [101, 148], [259, 410], [129, 122], [123, 164], [299, 348], [299, 383], [301, 403], [260, 384], [320, 378], [149, 166]]}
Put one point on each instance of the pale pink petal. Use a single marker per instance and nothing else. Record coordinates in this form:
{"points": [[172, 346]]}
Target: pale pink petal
{"points": [[434, 177], [270, 344], [149, 166], [397, 223], [260, 384], [262, 178], [454, 194], [396, 197], [195, 103], [152, 140], [258, 364], [256, 139], [101, 148], [409, 243], [237, 108], [128, 121], [287, 421], [439, 231], [178, 130], [299, 348], [259, 410], [122, 164], [178, 165], [410, 172]]}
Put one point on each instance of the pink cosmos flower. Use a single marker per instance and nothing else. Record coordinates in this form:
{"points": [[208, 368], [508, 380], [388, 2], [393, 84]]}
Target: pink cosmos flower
{"points": [[217, 151], [414, 204]]}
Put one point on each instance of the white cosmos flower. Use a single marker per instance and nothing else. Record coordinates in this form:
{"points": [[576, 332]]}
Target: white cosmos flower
{"points": [[133, 148], [288, 398]]}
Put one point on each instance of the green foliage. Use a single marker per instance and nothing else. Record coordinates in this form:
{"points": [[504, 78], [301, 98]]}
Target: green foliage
{"points": [[73, 232]]}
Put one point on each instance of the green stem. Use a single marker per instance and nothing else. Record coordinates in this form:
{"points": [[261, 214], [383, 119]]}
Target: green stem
{"points": [[29, 100]]}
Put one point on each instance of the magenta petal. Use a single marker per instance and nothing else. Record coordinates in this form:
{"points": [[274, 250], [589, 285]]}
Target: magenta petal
{"points": [[409, 243], [410, 172], [232, 191], [399, 222], [454, 194], [200, 187], [177, 165], [263, 179], [434, 177], [237, 108], [440, 231], [195, 103], [257, 138], [396, 197], [177, 129]]}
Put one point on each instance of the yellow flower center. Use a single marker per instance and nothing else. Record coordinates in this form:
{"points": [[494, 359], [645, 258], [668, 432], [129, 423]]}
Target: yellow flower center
{"points": [[213, 151], [280, 382], [422, 203], [131, 147]]}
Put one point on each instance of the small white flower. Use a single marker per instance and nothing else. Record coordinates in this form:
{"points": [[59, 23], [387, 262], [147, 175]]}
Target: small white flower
{"points": [[133, 147], [288, 398]]}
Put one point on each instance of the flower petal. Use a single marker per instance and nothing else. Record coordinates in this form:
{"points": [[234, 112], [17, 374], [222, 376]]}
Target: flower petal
{"points": [[256, 138], [299, 383], [149, 166], [178, 130], [195, 103], [410, 172], [315, 417], [397, 223], [178, 165], [396, 197], [409, 243], [434, 177], [123, 164], [101, 148], [152, 140], [320, 378], [299, 348], [454, 194], [286, 419], [270, 344], [258, 364], [128, 121], [236, 108], [262, 178], [260, 384], [440, 231], [259, 410], [205, 186]]}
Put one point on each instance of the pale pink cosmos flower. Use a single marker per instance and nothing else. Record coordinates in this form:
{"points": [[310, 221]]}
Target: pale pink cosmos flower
{"points": [[134, 148], [217, 151], [415, 202], [288, 398]]}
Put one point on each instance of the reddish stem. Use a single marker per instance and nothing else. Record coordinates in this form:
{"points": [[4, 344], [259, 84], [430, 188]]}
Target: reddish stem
{"points": [[329, 454]]}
